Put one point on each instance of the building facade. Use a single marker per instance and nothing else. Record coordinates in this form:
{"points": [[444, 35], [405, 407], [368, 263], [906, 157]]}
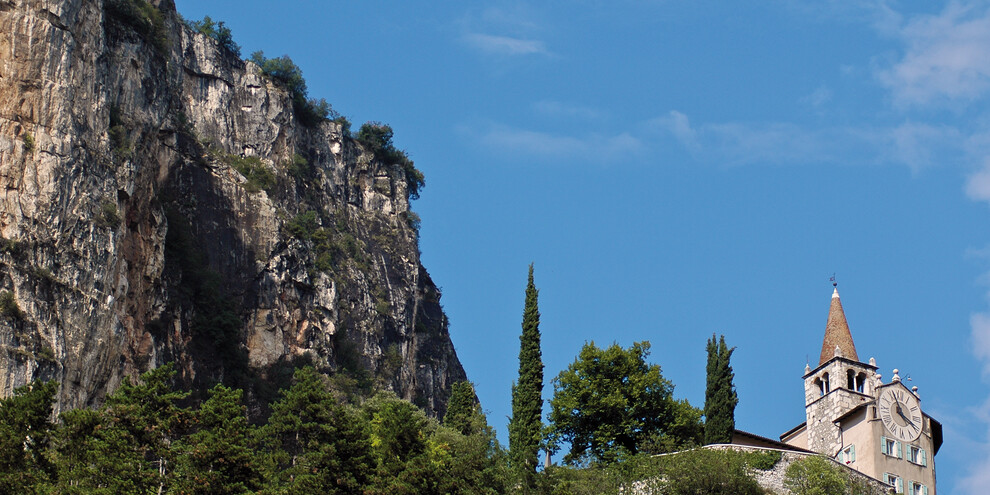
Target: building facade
{"points": [[876, 428]]}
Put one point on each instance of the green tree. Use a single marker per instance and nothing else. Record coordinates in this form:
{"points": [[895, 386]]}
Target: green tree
{"points": [[25, 428], [377, 138], [708, 471], [525, 426], [685, 430], [128, 446], [96, 456], [609, 403], [219, 32], [318, 445], [219, 458], [145, 420], [310, 112], [720, 393], [481, 465], [463, 409], [815, 475]]}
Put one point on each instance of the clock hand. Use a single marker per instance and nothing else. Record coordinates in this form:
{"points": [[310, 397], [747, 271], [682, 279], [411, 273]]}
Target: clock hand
{"points": [[900, 412]]}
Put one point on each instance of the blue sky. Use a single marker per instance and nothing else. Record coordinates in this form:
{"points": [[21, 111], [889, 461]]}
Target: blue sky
{"points": [[681, 168]]}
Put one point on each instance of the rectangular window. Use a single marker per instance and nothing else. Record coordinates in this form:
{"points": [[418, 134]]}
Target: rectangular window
{"points": [[891, 447], [915, 488], [894, 481], [848, 454], [917, 455]]}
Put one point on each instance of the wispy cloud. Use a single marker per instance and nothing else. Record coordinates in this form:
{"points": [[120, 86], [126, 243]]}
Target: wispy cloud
{"points": [[945, 59], [497, 31], [978, 186], [818, 98], [916, 145], [977, 470], [591, 147], [505, 45], [566, 110]]}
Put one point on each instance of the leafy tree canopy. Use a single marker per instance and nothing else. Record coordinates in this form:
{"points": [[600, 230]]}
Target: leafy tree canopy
{"points": [[609, 402], [377, 138]]}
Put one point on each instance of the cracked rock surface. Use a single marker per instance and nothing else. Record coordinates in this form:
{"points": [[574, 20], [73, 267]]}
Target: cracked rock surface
{"points": [[133, 235]]}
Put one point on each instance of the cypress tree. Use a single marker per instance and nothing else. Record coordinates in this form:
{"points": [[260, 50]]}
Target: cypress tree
{"points": [[525, 426], [720, 394], [462, 409]]}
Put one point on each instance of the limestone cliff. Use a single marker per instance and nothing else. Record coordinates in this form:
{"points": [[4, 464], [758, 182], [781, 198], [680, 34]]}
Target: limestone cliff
{"points": [[161, 201]]}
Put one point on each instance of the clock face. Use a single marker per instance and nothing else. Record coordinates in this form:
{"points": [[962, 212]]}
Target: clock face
{"points": [[900, 412]]}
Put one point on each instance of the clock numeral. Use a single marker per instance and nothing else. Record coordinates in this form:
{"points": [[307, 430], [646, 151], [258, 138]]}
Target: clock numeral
{"points": [[915, 408]]}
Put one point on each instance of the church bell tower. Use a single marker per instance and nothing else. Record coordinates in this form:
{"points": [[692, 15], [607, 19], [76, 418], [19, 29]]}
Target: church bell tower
{"points": [[852, 416], [840, 382]]}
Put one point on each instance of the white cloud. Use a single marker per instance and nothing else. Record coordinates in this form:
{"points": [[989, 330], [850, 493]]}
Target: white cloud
{"points": [[978, 184], [980, 325], [818, 98], [916, 145], [946, 57], [920, 145], [505, 45], [593, 147], [566, 110], [977, 477], [679, 125]]}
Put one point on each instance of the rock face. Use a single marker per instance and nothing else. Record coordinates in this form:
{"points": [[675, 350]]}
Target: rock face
{"points": [[161, 201]]}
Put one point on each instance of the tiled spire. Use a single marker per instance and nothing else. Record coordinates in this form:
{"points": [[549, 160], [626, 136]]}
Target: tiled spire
{"points": [[837, 333]]}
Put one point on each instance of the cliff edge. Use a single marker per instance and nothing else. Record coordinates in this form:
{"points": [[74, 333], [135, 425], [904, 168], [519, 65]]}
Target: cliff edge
{"points": [[161, 200]]}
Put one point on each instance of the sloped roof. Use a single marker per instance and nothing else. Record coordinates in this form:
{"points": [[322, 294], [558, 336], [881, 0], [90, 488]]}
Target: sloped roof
{"points": [[837, 333]]}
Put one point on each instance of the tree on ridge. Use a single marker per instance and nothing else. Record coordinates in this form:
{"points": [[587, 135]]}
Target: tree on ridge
{"points": [[720, 393]]}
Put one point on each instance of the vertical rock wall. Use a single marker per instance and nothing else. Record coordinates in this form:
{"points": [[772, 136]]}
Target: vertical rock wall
{"points": [[136, 230]]}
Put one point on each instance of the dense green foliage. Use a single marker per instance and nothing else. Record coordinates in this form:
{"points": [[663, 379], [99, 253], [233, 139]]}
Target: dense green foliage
{"points": [[142, 18], [8, 305], [694, 472], [709, 471], [283, 70], [217, 31], [330, 246], [377, 138], [463, 409], [28, 142], [815, 475], [259, 176], [720, 393], [609, 404], [143, 441], [108, 215], [24, 440], [526, 426]]}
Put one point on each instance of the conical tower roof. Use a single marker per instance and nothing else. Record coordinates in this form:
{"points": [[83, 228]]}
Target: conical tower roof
{"points": [[837, 333]]}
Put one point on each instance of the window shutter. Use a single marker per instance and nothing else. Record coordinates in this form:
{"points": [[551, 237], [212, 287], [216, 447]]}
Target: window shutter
{"points": [[852, 453], [924, 459], [883, 445], [924, 490], [900, 485], [900, 450]]}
